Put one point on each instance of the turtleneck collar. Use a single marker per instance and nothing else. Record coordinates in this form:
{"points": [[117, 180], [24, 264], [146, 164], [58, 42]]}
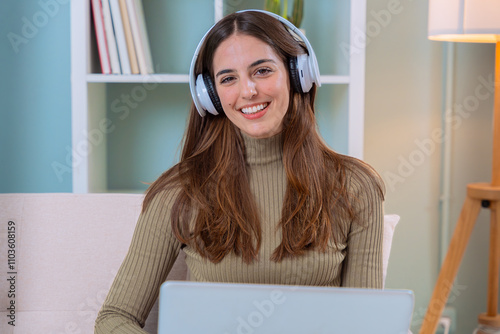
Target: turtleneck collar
{"points": [[263, 150]]}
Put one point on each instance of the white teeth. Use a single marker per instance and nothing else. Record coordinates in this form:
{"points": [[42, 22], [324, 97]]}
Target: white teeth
{"points": [[254, 109]]}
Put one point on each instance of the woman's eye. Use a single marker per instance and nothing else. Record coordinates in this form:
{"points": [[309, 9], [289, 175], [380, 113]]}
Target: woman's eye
{"points": [[226, 80], [263, 71]]}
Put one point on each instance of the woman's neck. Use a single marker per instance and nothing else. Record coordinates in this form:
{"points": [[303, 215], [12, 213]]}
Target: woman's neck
{"points": [[263, 150]]}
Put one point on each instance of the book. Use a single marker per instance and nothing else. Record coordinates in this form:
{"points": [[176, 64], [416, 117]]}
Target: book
{"points": [[101, 36], [140, 36], [110, 37], [132, 56], [121, 43]]}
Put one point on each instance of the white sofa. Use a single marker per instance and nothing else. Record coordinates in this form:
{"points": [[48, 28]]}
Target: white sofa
{"points": [[68, 248], [65, 251]]}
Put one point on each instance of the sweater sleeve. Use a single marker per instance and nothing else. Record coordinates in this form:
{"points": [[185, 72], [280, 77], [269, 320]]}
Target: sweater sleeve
{"points": [[362, 267], [151, 255]]}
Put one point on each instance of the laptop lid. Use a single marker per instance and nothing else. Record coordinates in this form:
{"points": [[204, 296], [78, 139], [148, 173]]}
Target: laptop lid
{"points": [[220, 308]]}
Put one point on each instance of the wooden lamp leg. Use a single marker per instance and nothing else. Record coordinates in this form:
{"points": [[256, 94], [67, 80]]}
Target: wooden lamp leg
{"points": [[491, 317], [449, 269], [491, 192]]}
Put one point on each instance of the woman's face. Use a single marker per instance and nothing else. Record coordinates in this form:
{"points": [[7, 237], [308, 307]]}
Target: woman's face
{"points": [[252, 84]]}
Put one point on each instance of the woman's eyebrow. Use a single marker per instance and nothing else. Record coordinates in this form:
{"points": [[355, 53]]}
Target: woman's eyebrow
{"points": [[255, 63], [260, 61], [221, 72]]}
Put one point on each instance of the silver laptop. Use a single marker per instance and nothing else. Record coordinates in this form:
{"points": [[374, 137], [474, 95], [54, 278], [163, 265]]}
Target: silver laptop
{"points": [[219, 308]]}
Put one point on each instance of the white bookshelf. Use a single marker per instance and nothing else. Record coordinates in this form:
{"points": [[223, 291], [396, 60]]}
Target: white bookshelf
{"points": [[89, 102]]}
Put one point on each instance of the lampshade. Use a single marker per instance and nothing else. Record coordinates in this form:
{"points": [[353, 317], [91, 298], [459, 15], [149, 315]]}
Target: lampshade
{"points": [[464, 20]]}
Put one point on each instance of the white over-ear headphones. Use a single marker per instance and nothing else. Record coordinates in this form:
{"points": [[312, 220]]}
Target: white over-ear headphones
{"points": [[303, 71]]}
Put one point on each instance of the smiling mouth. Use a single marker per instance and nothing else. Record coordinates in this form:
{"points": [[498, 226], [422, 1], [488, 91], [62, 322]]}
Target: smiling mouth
{"points": [[254, 109]]}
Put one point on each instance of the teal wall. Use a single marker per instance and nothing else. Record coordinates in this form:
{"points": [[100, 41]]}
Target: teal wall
{"points": [[35, 96]]}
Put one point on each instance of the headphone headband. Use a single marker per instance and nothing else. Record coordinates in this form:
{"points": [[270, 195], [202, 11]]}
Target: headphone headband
{"points": [[307, 67]]}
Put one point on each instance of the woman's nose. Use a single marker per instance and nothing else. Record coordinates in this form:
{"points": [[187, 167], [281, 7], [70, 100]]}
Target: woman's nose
{"points": [[248, 89]]}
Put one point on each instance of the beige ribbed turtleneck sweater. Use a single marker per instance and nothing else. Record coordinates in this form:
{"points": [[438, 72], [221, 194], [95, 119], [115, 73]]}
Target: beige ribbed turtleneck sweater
{"points": [[356, 261]]}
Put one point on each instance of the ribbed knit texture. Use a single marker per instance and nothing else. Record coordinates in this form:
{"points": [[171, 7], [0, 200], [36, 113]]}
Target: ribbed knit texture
{"points": [[355, 261]]}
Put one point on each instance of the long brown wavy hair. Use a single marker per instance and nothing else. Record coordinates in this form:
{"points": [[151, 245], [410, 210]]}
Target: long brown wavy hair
{"points": [[214, 210]]}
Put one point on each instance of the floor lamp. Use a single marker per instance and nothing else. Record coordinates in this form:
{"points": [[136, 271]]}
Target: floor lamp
{"points": [[470, 21]]}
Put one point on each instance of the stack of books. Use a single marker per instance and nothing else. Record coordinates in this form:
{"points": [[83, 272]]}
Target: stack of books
{"points": [[122, 39]]}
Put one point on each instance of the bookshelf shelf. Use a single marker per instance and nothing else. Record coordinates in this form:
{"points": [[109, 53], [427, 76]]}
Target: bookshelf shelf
{"points": [[112, 137], [335, 79]]}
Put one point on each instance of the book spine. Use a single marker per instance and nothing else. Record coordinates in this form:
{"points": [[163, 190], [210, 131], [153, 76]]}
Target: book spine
{"points": [[110, 35], [134, 66], [101, 36], [136, 36], [144, 36], [120, 36]]}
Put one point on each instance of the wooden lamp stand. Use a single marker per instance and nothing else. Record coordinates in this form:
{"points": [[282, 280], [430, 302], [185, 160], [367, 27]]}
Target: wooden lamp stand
{"points": [[478, 195]]}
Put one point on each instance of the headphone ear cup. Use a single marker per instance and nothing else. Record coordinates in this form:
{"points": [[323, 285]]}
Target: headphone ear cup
{"points": [[212, 93], [294, 74], [201, 97], [304, 73]]}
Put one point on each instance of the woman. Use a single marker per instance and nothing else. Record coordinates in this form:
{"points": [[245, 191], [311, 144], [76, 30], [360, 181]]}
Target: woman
{"points": [[257, 196]]}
